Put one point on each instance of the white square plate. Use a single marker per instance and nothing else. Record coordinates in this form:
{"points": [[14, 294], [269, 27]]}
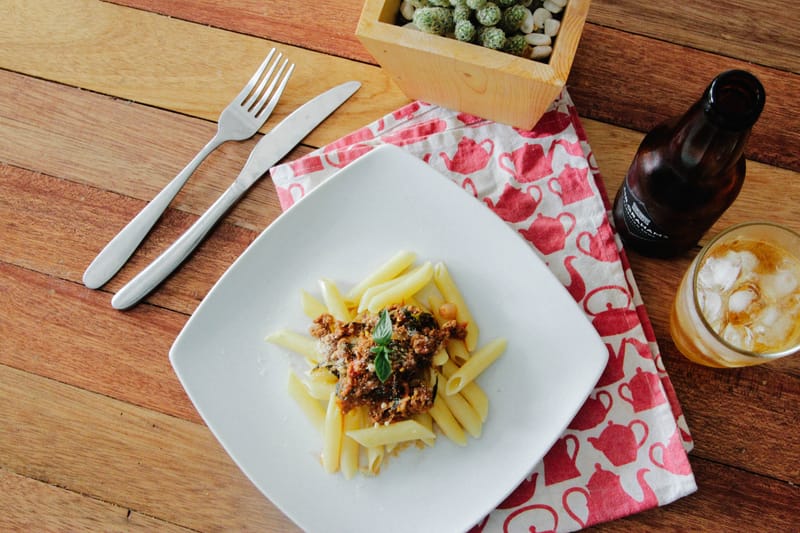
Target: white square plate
{"points": [[384, 202]]}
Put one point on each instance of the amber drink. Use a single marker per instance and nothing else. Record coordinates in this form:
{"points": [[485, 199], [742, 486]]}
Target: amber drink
{"points": [[739, 302]]}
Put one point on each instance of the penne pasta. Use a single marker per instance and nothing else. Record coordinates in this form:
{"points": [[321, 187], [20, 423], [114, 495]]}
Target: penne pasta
{"points": [[334, 301], [457, 350], [296, 342], [426, 420], [312, 307], [478, 362], [332, 436], [350, 448], [471, 391], [405, 287], [382, 435], [310, 405], [388, 270], [447, 422], [441, 357], [444, 282], [385, 317], [320, 389], [375, 456]]}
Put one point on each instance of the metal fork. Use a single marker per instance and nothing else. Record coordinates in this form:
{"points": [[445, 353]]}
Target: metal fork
{"points": [[243, 117]]}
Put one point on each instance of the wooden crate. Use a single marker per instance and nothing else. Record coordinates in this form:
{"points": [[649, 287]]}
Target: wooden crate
{"points": [[468, 77]]}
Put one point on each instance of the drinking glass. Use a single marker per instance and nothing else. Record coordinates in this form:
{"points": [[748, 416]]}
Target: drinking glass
{"points": [[739, 302]]}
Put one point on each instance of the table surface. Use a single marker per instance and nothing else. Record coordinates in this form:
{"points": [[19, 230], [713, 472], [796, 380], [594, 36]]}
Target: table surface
{"points": [[101, 103]]}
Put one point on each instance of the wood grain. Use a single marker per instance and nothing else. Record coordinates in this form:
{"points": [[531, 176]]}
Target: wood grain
{"points": [[628, 71], [112, 451], [145, 57], [40, 506]]}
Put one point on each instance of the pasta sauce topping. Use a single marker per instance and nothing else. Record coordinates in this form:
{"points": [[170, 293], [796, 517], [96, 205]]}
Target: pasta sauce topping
{"points": [[384, 361]]}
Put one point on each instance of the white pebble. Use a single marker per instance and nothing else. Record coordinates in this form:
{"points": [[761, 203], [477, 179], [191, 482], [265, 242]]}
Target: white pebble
{"points": [[407, 10], [539, 16], [559, 3], [538, 39], [551, 27], [541, 52], [527, 22], [552, 7]]}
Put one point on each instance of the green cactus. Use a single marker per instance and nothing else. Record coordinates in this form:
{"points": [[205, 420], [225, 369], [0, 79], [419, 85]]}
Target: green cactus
{"points": [[465, 31], [515, 45], [512, 18], [476, 4], [436, 20], [488, 15], [493, 38]]}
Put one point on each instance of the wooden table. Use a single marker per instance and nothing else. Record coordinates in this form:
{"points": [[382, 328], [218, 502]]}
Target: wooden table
{"points": [[102, 102]]}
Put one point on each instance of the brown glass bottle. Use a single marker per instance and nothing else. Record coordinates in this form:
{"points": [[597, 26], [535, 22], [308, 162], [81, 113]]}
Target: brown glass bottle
{"points": [[689, 170]]}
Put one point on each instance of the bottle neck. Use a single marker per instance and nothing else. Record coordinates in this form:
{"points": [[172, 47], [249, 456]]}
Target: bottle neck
{"points": [[711, 136]]}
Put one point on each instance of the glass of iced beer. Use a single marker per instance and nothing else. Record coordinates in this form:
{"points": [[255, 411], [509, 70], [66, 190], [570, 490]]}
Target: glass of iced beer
{"points": [[739, 302]]}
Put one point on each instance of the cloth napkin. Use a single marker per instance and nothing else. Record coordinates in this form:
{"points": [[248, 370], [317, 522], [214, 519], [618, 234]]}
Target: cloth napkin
{"points": [[626, 450]]}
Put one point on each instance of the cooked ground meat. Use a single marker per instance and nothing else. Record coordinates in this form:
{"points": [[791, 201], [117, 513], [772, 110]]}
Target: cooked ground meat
{"points": [[409, 388]]}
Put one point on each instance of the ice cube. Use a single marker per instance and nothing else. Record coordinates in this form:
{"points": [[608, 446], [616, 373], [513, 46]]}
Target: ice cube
{"points": [[779, 332], [780, 284], [739, 336], [740, 300], [747, 260], [719, 274], [710, 305]]}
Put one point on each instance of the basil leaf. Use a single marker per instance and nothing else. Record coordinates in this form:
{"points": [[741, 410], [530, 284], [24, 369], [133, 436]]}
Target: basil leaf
{"points": [[383, 329], [383, 367]]}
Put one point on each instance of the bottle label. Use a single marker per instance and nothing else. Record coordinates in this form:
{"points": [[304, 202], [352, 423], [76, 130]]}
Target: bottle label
{"points": [[637, 219]]}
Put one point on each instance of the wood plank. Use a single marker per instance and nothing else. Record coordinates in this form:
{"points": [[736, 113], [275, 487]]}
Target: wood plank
{"points": [[626, 71], [322, 26], [162, 62], [111, 451], [45, 437], [749, 31], [31, 505]]}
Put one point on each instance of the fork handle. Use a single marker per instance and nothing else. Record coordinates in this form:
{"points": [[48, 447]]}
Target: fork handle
{"points": [[141, 285], [121, 247]]}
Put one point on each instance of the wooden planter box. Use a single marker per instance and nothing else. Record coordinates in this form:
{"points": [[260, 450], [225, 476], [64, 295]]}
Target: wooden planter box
{"points": [[468, 77]]}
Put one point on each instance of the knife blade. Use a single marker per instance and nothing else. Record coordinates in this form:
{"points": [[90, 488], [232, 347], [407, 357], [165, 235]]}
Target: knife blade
{"points": [[269, 150]]}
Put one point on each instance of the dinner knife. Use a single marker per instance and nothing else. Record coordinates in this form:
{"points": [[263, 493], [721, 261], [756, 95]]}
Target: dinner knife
{"points": [[269, 150]]}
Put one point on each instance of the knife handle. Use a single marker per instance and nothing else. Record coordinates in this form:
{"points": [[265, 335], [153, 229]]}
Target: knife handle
{"points": [[144, 282], [121, 247]]}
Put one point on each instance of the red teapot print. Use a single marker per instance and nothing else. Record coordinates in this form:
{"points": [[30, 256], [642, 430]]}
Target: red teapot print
{"points": [[617, 316], [552, 123], [571, 185], [560, 462], [522, 494], [576, 286], [603, 487], [288, 197], [619, 443], [407, 111], [600, 246], [515, 205], [531, 518], [527, 163], [412, 134], [672, 456], [644, 391], [549, 234], [615, 368], [470, 156], [593, 411]]}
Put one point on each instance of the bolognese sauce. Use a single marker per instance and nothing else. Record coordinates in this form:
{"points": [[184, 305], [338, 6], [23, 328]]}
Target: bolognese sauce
{"points": [[350, 351]]}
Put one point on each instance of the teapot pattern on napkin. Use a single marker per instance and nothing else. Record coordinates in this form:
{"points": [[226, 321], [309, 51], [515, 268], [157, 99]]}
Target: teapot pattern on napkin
{"points": [[625, 450]]}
